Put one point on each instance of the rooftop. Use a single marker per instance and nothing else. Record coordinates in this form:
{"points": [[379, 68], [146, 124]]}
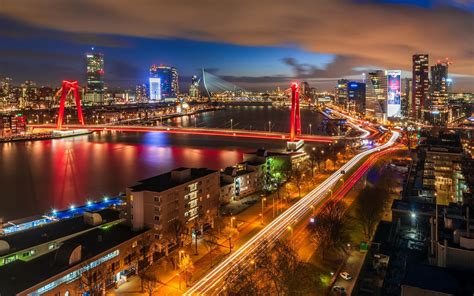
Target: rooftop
{"points": [[52, 231], [439, 279], [20, 275], [166, 181]]}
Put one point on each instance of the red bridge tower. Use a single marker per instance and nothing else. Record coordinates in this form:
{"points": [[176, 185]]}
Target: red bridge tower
{"points": [[66, 88], [295, 118]]}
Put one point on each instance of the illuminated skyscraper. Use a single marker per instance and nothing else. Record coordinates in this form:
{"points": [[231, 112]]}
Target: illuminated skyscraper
{"points": [[169, 80], [141, 93], [420, 85], [95, 77], [341, 91], [155, 89], [437, 110], [194, 87], [379, 82], [356, 97]]}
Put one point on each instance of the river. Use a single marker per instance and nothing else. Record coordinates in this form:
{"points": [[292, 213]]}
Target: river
{"points": [[38, 176]]}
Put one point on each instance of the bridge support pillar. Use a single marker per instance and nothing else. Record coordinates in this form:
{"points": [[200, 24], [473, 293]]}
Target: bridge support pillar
{"points": [[66, 88]]}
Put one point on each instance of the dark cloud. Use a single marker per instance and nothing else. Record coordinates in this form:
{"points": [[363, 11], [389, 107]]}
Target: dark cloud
{"points": [[359, 33]]}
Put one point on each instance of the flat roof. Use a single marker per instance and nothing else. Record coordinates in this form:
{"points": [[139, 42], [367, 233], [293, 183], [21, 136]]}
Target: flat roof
{"points": [[164, 181], [20, 275], [52, 231], [439, 279]]}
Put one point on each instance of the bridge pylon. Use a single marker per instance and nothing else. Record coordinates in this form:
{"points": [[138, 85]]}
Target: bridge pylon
{"points": [[295, 119], [66, 88]]}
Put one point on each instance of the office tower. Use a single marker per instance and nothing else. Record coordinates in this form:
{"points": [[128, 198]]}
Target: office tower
{"points": [[341, 91], [6, 85], [168, 80], [437, 109], [194, 87], [305, 90], [377, 84], [394, 84], [141, 93], [356, 97], [95, 77], [407, 97], [155, 89], [420, 85]]}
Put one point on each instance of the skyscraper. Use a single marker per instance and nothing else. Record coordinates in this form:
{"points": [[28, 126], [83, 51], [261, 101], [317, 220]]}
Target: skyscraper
{"points": [[377, 100], [141, 93], [394, 85], [437, 108], [420, 85], [407, 96], [356, 97], [341, 91], [439, 77], [95, 77], [169, 80], [194, 87]]}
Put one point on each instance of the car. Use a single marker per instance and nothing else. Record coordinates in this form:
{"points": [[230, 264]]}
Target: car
{"points": [[343, 172], [338, 290], [345, 275]]}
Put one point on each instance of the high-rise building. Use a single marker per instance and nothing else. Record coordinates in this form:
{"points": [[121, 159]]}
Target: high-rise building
{"points": [[305, 90], [394, 84], [95, 77], [6, 85], [407, 96], [437, 108], [141, 93], [376, 95], [155, 89], [169, 80], [356, 97], [341, 91], [420, 85], [194, 87]]}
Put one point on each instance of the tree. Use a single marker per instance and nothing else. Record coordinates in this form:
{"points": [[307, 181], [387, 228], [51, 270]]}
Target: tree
{"points": [[371, 203], [276, 271], [151, 283], [329, 228], [297, 177], [185, 265], [93, 280], [210, 240]]}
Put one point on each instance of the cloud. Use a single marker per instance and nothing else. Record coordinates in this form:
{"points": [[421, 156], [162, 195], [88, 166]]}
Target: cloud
{"points": [[359, 33]]}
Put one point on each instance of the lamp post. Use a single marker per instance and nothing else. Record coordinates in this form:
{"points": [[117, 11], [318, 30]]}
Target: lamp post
{"points": [[269, 126], [179, 279], [310, 131], [291, 230], [231, 123], [263, 200], [232, 222]]}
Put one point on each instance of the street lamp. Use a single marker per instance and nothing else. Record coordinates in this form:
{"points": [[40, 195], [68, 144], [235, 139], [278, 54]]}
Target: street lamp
{"points": [[231, 121], [232, 222], [179, 279], [269, 126], [310, 132], [291, 230]]}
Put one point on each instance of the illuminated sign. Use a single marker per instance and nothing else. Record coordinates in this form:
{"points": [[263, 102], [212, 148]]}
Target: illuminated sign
{"points": [[393, 93], [155, 89]]}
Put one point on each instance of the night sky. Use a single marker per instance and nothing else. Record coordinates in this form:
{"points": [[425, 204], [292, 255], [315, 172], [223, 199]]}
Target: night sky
{"points": [[255, 44]]}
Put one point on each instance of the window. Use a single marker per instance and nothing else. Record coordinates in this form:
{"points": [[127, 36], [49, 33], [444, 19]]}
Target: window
{"points": [[157, 218]]}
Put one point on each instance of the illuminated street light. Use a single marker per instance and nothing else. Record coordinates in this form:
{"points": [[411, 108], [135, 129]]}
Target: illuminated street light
{"points": [[232, 222], [413, 215]]}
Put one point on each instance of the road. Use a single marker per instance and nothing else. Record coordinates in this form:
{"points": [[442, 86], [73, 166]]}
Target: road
{"points": [[212, 283], [209, 132]]}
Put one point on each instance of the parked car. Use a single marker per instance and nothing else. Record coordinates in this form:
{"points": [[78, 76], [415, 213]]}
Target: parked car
{"points": [[345, 275], [338, 290]]}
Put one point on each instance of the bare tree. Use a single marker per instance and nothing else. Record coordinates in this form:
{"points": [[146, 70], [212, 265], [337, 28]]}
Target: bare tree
{"points": [[371, 203], [93, 280], [210, 241], [297, 177], [151, 283], [329, 229]]}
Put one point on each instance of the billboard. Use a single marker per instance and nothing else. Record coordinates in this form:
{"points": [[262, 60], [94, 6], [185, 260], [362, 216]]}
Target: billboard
{"points": [[155, 89], [394, 93]]}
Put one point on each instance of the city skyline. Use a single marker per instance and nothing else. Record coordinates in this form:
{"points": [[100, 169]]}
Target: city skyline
{"points": [[269, 56]]}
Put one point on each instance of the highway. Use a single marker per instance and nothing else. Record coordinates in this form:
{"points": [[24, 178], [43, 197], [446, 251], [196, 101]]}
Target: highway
{"points": [[213, 282]]}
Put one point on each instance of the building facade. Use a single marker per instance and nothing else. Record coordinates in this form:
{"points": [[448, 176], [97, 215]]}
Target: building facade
{"points": [[168, 76], [420, 85], [187, 196], [356, 97], [95, 78]]}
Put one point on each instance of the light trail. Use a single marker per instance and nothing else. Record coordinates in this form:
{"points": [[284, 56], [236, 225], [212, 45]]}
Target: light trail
{"points": [[207, 285]]}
